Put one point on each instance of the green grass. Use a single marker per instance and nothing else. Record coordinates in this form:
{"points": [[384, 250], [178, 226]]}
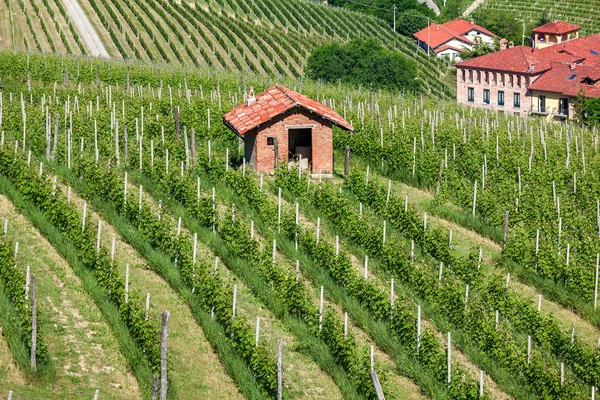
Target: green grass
{"points": [[127, 345]]}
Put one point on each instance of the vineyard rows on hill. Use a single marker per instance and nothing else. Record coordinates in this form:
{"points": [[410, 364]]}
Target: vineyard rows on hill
{"points": [[110, 132], [569, 11], [273, 37]]}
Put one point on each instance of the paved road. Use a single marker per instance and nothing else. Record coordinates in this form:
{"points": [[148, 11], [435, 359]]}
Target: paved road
{"points": [[431, 4], [87, 33]]}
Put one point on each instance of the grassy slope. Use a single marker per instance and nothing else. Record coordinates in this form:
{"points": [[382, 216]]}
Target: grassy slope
{"points": [[195, 369], [84, 351]]}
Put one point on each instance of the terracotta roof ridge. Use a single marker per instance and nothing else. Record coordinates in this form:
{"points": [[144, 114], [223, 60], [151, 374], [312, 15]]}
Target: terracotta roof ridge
{"points": [[287, 93]]}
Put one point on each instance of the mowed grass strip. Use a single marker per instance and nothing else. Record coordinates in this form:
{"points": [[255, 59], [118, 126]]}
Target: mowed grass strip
{"points": [[84, 351]]}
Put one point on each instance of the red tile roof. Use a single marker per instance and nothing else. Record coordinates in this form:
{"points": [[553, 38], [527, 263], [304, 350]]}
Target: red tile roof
{"points": [[463, 27], [437, 34], [569, 80], [273, 102], [520, 58], [557, 28], [517, 60], [587, 47]]}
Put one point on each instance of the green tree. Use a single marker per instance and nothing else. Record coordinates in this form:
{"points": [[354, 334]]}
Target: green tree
{"points": [[361, 62], [479, 49], [579, 107], [384, 9], [410, 22], [544, 18], [503, 24]]}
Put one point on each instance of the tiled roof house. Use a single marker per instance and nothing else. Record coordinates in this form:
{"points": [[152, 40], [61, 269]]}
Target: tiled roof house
{"points": [[533, 81], [280, 126], [451, 38]]}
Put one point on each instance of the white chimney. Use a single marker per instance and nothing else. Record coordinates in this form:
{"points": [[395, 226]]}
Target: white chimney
{"points": [[250, 99]]}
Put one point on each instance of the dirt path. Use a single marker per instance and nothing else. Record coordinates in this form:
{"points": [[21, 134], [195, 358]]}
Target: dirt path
{"points": [[84, 351], [88, 35]]}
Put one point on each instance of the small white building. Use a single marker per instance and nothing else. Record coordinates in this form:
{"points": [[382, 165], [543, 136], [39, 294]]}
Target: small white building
{"points": [[451, 38]]}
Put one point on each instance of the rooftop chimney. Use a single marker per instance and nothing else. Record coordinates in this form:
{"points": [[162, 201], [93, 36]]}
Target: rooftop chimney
{"points": [[471, 21], [572, 66], [531, 67], [250, 99], [503, 43], [437, 27], [511, 44]]}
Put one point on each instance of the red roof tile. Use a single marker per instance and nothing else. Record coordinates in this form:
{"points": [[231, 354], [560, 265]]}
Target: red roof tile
{"points": [[437, 34], [463, 27], [557, 28], [520, 58], [275, 101], [569, 80]]}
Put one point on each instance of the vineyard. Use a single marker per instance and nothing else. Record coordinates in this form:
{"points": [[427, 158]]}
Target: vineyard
{"points": [[458, 259], [272, 37], [570, 11]]}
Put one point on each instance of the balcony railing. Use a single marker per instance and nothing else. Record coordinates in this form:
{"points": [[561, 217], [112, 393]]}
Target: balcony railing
{"points": [[543, 110]]}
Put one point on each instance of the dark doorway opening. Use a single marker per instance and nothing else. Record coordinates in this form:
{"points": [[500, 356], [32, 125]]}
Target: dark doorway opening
{"points": [[300, 146]]}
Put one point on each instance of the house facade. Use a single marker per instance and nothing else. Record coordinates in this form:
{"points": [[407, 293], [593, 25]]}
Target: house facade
{"points": [[280, 126], [531, 81], [449, 39]]}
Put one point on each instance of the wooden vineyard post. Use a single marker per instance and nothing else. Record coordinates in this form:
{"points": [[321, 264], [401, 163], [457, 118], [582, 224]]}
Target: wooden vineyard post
{"points": [[164, 338], [596, 282], [497, 319], [439, 179], [375, 377], [10, 395], [275, 152], [280, 370], [125, 144], [474, 197], [418, 329], [147, 310], [126, 283], [347, 163], [562, 374], [97, 394], [155, 387], [481, 383], [449, 360], [321, 310], [33, 324], [505, 237], [177, 131], [234, 301], [345, 324], [193, 146], [279, 211], [257, 331]]}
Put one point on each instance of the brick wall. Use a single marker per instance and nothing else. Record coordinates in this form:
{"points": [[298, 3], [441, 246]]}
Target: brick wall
{"points": [[496, 82], [261, 155]]}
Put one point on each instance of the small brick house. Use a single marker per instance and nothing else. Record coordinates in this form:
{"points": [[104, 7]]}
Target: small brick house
{"points": [[280, 126]]}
